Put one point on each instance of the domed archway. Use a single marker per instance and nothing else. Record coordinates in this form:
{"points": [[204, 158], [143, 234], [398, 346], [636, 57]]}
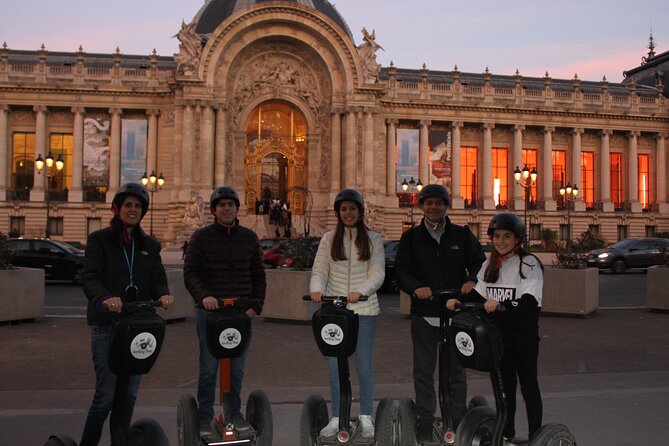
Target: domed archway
{"points": [[276, 155]]}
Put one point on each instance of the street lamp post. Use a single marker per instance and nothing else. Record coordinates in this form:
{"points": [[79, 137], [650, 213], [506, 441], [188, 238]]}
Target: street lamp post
{"points": [[53, 167], [568, 194], [153, 184], [526, 179], [411, 188]]}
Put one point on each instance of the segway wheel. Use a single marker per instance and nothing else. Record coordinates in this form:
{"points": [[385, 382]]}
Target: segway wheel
{"points": [[553, 435], [406, 423], [313, 418], [60, 440], [188, 427], [384, 422], [478, 400], [147, 432], [259, 416], [476, 428]]}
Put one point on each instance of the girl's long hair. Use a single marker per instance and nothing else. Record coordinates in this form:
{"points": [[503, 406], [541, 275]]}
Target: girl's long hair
{"points": [[362, 241], [495, 264], [119, 234]]}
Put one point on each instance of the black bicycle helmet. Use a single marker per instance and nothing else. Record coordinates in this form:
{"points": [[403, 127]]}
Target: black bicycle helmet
{"points": [[434, 190], [134, 189], [223, 192], [508, 221], [349, 195]]}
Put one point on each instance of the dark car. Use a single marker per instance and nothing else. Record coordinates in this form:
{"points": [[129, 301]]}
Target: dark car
{"points": [[389, 283], [630, 253], [59, 260]]}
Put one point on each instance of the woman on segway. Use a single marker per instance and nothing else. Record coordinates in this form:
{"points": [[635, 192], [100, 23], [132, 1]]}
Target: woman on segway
{"points": [[513, 277], [122, 264], [350, 262]]}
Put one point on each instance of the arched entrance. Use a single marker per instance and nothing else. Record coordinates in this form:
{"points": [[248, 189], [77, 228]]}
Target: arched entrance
{"points": [[275, 162]]}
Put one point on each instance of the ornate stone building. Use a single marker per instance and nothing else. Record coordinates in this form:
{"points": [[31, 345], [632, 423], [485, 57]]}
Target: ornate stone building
{"points": [[275, 99]]}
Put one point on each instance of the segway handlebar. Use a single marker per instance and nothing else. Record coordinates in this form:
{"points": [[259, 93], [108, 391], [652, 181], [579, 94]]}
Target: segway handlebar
{"points": [[332, 299], [476, 306], [444, 294], [141, 304]]}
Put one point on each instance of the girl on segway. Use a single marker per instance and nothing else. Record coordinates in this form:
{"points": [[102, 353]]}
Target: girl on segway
{"points": [[350, 262], [122, 264], [513, 277]]}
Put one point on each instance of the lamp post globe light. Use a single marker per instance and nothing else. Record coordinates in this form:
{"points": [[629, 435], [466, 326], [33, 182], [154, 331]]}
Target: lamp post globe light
{"points": [[153, 184], [526, 178], [568, 194], [410, 189], [49, 168]]}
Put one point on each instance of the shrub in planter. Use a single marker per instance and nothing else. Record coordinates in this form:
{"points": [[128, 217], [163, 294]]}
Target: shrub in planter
{"points": [[576, 255], [6, 254], [300, 252]]}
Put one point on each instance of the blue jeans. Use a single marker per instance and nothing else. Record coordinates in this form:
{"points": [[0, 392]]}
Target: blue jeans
{"points": [[206, 384], [105, 384], [364, 362]]}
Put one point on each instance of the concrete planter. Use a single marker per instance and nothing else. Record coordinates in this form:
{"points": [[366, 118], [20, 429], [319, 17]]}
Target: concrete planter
{"points": [[657, 284], [571, 292], [283, 299], [21, 294], [184, 306]]}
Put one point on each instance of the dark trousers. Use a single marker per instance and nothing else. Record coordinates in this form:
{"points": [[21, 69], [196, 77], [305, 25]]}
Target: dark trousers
{"points": [[426, 340], [519, 364]]}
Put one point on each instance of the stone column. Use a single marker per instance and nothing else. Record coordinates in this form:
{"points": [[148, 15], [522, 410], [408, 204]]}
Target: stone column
{"points": [[456, 194], [335, 151], [391, 166], [350, 159], [368, 174], [4, 154], [39, 181], [424, 152], [633, 171], [486, 193], [546, 172], [187, 152], [152, 142], [605, 171], [219, 148], [115, 153], [576, 168], [76, 195], [207, 150], [661, 169], [518, 202]]}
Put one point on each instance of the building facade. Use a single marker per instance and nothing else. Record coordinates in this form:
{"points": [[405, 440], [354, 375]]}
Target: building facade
{"points": [[276, 99]]}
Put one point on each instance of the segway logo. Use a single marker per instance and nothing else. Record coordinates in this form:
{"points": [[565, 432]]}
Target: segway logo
{"points": [[332, 334], [464, 343], [143, 345], [230, 338]]}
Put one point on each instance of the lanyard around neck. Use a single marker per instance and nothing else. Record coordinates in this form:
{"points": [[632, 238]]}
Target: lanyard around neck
{"points": [[130, 262]]}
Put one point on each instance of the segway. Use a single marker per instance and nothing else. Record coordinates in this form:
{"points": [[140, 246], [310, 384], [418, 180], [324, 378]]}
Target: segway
{"points": [[227, 334], [135, 344], [479, 346], [336, 332]]}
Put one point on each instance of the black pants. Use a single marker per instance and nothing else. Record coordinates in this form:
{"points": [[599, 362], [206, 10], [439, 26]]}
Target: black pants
{"points": [[520, 360], [426, 339]]}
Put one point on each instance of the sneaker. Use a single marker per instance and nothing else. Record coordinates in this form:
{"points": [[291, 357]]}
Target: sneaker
{"points": [[367, 426], [331, 428], [508, 441], [241, 425], [205, 427]]}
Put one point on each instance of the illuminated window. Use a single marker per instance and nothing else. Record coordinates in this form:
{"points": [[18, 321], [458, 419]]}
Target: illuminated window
{"points": [[23, 162], [530, 160], [60, 145], [468, 175], [276, 120], [500, 175], [644, 180], [616, 173], [587, 185], [559, 175]]}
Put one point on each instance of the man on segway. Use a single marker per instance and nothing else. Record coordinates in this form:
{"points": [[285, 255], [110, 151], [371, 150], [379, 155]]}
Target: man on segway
{"points": [[436, 254], [222, 260]]}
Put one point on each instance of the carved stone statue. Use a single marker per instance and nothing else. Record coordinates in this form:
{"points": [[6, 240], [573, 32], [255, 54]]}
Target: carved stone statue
{"points": [[367, 51], [194, 215], [190, 49]]}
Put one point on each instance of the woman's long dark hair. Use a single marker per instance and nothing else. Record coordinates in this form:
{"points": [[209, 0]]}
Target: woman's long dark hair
{"points": [[362, 241], [120, 236], [495, 264]]}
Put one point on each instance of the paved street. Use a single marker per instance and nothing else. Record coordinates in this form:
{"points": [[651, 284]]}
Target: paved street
{"points": [[604, 376]]}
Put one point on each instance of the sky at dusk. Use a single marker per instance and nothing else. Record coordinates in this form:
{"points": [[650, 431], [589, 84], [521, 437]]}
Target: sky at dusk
{"points": [[591, 38]]}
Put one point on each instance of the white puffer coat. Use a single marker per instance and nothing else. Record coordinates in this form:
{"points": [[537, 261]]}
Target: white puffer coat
{"points": [[338, 278]]}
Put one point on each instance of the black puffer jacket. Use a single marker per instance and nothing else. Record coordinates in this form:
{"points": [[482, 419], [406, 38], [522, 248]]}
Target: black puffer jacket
{"points": [[106, 272], [422, 262], [224, 262]]}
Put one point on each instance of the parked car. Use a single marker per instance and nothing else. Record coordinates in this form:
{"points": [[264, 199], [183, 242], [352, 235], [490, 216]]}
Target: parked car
{"points": [[630, 253], [59, 260], [389, 283], [268, 243]]}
